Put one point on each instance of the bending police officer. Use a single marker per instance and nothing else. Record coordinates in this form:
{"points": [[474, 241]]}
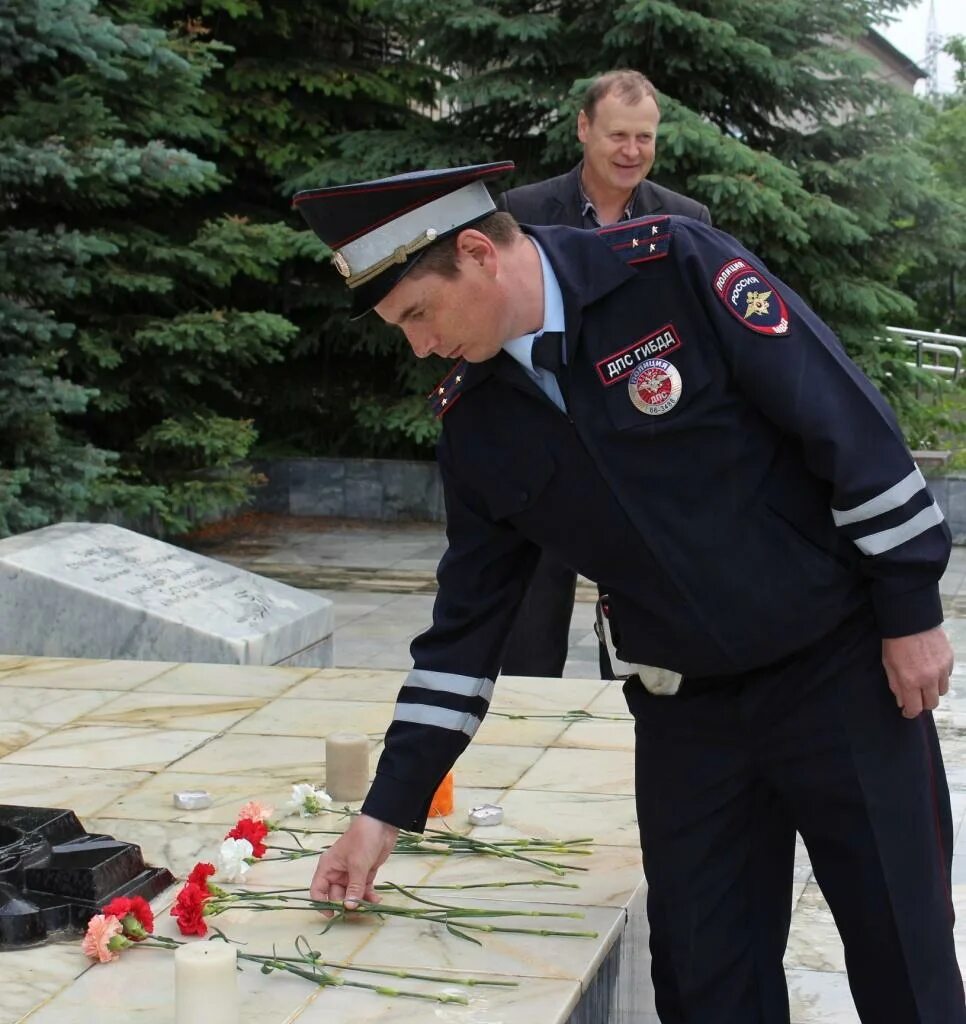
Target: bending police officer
{"points": [[698, 444]]}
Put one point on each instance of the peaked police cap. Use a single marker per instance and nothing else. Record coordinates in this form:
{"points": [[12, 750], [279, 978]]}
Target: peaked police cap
{"points": [[377, 230]]}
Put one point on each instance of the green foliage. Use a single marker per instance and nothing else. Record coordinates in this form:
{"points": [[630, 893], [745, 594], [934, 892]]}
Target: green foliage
{"points": [[131, 314], [935, 278], [314, 93]]}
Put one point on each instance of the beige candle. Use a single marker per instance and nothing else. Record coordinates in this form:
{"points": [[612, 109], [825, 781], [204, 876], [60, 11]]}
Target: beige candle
{"points": [[346, 765], [206, 983]]}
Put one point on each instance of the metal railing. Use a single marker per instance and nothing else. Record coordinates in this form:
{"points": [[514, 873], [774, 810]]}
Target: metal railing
{"points": [[945, 350]]}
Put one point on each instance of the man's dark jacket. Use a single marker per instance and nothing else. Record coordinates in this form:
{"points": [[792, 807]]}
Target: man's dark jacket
{"points": [[559, 201]]}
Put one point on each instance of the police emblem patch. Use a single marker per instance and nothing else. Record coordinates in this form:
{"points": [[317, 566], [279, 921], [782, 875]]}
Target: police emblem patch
{"points": [[655, 386], [750, 298]]}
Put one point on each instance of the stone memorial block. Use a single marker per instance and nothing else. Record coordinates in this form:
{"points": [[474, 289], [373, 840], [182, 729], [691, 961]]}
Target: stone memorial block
{"points": [[54, 875], [92, 590]]}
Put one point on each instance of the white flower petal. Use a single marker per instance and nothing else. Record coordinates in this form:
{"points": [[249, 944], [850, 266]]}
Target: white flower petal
{"points": [[233, 859], [307, 801]]}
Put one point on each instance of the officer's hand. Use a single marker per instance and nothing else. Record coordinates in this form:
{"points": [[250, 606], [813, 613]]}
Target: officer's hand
{"points": [[918, 668], [347, 870]]}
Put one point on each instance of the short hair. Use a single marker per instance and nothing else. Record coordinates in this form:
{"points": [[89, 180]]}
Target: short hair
{"points": [[627, 85], [440, 258]]}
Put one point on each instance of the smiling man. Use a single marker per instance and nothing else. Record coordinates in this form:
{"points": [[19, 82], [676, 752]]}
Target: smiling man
{"points": [[617, 127], [653, 406]]}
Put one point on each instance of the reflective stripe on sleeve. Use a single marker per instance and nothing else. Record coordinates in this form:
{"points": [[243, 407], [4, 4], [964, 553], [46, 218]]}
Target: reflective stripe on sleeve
{"points": [[886, 540], [443, 718], [449, 682], [895, 497]]}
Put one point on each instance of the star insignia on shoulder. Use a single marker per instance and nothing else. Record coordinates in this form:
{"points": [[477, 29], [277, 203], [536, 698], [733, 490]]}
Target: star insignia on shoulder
{"points": [[447, 392], [625, 241]]}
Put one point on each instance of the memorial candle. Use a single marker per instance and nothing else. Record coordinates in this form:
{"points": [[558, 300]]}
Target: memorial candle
{"points": [[206, 983], [346, 765]]}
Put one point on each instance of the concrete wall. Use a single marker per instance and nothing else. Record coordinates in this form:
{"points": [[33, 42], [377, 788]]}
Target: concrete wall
{"points": [[391, 490], [394, 490]]}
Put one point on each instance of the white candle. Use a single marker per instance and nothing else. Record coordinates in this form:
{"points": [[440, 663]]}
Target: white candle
{"points": [[346, 765], [206, 983]]}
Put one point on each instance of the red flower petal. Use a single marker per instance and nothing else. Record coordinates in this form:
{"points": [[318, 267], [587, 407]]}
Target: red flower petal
{"points": [[200, 874], [254, 832], [189, 909], [137, 907]]}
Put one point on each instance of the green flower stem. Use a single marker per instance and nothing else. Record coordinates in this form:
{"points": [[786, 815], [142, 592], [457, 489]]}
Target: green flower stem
{"points": [[439, 842], [479, 846], [325, 980], [310, 967], [457, 919], [524, 931], [260, 902], [459, 911], [566, 716], [538, 883], [398, 972]]}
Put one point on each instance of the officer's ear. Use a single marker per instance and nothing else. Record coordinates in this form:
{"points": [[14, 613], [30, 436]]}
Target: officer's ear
{"points": [[474, 246]]}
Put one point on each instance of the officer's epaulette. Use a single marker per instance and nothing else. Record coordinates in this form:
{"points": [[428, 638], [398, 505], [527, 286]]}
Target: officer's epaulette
{"points": [[637, 241], [447, 392]]}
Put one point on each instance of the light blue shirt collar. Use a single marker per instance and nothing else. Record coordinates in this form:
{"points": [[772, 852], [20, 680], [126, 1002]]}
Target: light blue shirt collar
{"points": [[553, 316]]}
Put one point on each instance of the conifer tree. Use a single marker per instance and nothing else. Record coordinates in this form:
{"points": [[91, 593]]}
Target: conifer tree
{"points": [[128, 312], [298, 76]]}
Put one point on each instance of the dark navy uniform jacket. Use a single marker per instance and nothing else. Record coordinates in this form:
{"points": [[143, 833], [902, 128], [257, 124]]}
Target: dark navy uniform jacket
{"points": [[764, 496]]}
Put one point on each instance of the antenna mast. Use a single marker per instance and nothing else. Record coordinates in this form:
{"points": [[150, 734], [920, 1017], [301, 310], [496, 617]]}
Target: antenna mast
{"points": [[933, 46]]}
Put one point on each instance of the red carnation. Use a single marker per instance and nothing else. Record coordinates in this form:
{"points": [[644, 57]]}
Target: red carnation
{"points": [[254, 832], [200, 874], [189, 909], [135, 915]]}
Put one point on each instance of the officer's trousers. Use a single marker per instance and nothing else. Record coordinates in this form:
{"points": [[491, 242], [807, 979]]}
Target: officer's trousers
{"points": [[816, 743]]}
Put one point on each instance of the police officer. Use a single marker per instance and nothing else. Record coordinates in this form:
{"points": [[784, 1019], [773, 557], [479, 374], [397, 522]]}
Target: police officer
{"points": [[655, 407]]}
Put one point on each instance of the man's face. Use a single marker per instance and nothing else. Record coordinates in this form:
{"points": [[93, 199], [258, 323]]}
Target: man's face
{"points": [[619, 142], [456, 318]]}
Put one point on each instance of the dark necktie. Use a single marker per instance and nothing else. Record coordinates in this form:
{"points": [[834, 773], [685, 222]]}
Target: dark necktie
{"points": [[547, 353]]}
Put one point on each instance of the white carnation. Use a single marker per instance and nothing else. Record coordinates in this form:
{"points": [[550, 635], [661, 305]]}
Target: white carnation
{"points": [[307, 801], [234, 859]]}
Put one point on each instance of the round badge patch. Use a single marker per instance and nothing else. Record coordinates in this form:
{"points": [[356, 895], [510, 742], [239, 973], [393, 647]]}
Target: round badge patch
{"points": [[655, 386]]}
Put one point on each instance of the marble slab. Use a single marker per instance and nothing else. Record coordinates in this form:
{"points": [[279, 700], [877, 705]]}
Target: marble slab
{"points": [[108, 746], [84, 790], [113, 740], [582, 771], [94, 590]]}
